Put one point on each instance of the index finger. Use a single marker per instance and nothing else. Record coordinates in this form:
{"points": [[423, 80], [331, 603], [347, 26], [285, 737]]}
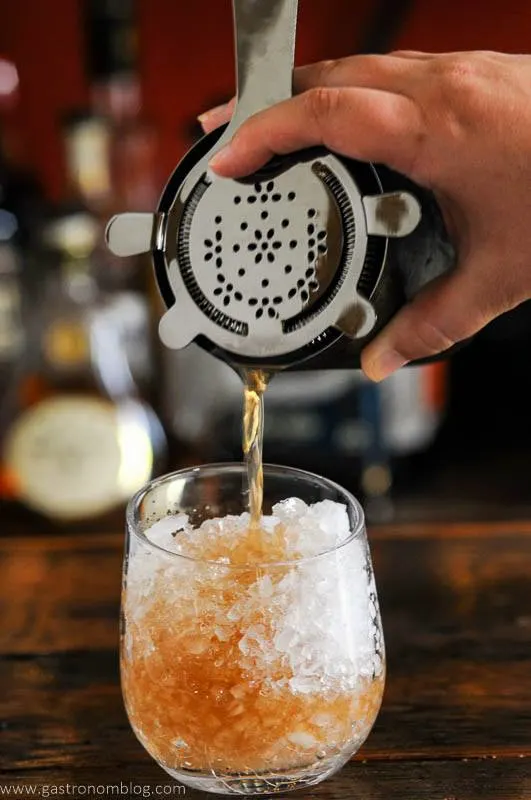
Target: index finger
{"points": [[366, 124]]}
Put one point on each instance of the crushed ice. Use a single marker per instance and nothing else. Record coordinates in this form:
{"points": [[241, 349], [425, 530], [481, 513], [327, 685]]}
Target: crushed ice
{"points": [[313, 621]]}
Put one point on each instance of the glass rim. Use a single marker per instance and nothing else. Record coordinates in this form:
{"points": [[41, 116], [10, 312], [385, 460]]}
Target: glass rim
{"points": [[239, 466]]}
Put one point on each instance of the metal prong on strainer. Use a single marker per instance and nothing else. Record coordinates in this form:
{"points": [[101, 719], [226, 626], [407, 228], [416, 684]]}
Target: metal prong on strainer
{"points": [[393, 214], [130, 234], [358, 320]]}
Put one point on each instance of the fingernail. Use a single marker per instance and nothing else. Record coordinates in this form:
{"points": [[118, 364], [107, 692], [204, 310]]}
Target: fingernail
{"points": [[385, 364], [217, 111], [221, 158]]}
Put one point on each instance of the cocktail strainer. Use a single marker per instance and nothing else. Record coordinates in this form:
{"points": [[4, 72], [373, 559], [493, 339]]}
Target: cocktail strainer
{"points": [[273, 269]]}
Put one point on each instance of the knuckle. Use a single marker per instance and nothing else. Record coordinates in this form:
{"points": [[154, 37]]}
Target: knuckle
{"points": [[327, 69], [433, 338], [459, 75], [370, 61], [401, 53], [425, 339], [321, 104]]}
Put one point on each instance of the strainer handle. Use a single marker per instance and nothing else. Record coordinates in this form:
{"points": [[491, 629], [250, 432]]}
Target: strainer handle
{"points": [[264, 35]]}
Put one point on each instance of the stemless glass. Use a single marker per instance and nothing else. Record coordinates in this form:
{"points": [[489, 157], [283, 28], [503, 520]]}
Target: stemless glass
{"points": [[243, 675]]}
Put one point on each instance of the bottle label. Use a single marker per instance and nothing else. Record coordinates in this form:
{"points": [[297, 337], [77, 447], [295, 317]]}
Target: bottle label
{"points": [[76, 457], [66, 345]]}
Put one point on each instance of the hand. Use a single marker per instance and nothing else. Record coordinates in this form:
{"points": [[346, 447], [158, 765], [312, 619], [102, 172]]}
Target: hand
{"points": [[456, 123]]}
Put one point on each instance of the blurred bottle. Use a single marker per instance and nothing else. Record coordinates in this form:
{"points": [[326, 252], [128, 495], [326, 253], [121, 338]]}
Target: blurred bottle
{"points": [[132, 173], [76, 440], [88, 141], [11, 327], [21, 214]]}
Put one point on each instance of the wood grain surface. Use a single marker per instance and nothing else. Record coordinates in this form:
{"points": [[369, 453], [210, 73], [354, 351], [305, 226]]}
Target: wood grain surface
{"points": [[456, 718]]}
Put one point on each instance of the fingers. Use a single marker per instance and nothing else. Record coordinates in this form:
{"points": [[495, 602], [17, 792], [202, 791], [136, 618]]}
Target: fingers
{"points": [[371, 72], [388, 73], [366, 124], [449, 310], [217, 116]]}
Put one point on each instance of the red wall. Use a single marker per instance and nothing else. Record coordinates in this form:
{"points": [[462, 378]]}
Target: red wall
{"points": [[503, 25], [186, 58]]}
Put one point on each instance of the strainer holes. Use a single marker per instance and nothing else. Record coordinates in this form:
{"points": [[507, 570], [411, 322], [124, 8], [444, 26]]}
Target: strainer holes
{"points": [[236, 248], [230, 287], [270, 186], [218, 236], [313, 285], [264, 245], [258, 257], [208, 242], [304, 295], [311, 242], [253, 301], [276, 197], [271, 312], [263, 198], [288, 268], [264, 215], [244, 226], [251, 198], [217, 220], [218, 291], [300, 283], [292, 293], [311, 213], [237, 200], [277, 300], [208, 256], [270, 233], [241, 272], [291, 195], [310, 272], [218, 248], [322, 248], [226, 300], [219, 262], [238, 296], [310, 229], [258, 187], [270, 257], [259, 313], [252, 246], [321, 235], [311, 256], [285, 223], [221, 278], [265, 283], [265, 301], [258, 234], [293, 244], [276, 245]]}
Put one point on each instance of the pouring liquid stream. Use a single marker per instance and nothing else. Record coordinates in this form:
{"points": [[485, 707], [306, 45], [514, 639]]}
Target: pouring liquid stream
{"points": [[255, 383]]}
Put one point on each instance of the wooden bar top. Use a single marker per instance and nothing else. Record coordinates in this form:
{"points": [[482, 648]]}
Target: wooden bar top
{"points": [[456, 717]]}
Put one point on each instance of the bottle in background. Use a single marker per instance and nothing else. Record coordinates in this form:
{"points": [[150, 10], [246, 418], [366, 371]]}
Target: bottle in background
{"points": [[76, 440]]}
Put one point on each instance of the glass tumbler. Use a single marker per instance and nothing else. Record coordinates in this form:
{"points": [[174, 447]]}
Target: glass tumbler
{"points": [[248, 667]]}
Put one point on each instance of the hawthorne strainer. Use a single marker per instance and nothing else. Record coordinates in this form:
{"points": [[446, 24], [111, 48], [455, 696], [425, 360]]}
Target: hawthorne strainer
{"points": [[273, 268]]}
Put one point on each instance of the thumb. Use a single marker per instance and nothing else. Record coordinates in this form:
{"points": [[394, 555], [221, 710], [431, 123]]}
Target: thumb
{"points": [[445, 312]]}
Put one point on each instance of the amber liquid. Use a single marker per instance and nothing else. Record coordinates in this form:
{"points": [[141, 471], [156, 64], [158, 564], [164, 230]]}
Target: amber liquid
{"points": [[255, 383]]}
